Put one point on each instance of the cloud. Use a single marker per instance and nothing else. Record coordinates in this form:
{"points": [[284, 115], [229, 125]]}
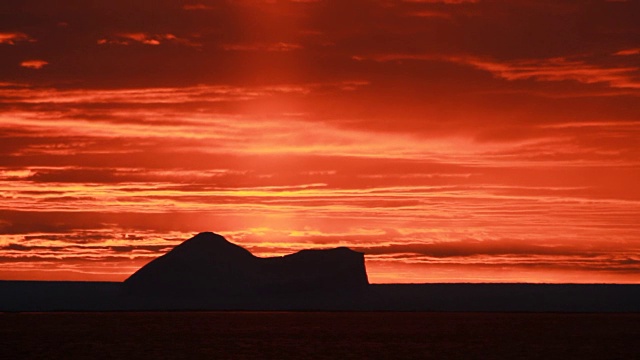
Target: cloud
{"points": [[34, 64], [470, 247], [552, 69], [276, 47], [146, 39], [559, 69], [197, 6], [430, 14], [158, 95], [628, 52], [442, 1], [12, 38], [16, 247]]}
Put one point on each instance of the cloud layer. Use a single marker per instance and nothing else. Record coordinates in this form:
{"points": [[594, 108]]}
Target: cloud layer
{"points": [[448, 140]]}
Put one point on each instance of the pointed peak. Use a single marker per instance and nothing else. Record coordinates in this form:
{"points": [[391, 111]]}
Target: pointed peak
{"points": [[208, 235], [209, 242], [209, 238]]}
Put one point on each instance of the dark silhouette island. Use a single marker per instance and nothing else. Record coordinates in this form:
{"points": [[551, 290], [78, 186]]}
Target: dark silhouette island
{"points": [[209, 265], [207, 272]]}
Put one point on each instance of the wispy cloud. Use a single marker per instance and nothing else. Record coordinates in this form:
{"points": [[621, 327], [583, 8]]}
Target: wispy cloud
{"points": [[12, 38], [559, 69], [441, 1], [168, 95], [278, 46], [34, 64], [146, 39], [429, 14], [553, 69], [628, 52], [197, 6]]}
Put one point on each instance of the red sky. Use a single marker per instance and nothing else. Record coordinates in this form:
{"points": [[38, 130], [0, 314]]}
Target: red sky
{"points": [[449, 140]]}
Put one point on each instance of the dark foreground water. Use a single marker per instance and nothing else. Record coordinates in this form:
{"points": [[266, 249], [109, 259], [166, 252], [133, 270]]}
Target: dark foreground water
{"points": [[315, 335]]}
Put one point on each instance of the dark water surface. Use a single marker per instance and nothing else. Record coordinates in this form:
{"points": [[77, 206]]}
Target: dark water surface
{"points": [[318, 335]]}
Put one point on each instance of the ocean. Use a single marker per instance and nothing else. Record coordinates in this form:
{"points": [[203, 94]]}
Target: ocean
{"points": [[318, 335]]}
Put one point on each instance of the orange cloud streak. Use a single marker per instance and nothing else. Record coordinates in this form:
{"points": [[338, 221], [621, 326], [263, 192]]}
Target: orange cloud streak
{"points": [[34, 64]]}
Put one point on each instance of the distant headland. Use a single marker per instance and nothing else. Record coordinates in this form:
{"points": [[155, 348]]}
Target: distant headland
{"points": [[209, 265], [207, 272]]}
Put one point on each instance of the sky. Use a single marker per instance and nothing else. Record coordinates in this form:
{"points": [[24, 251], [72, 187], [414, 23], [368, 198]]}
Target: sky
{"points": [[448, 140]]}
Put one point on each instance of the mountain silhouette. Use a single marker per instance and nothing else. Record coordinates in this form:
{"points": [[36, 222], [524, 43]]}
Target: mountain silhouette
{"points": [[208, 264]]}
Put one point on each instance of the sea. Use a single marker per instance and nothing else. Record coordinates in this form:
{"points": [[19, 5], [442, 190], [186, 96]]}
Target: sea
{"points": [[319, 335]]}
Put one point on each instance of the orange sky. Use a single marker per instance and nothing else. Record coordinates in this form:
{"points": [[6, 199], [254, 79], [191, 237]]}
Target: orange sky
{"points": [[449, 140]]}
